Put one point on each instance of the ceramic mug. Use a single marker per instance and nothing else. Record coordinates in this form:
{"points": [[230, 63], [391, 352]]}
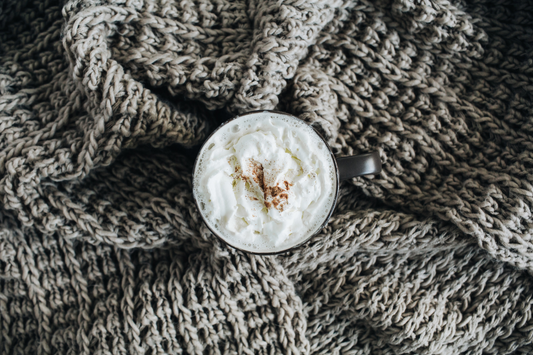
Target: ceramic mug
{"points": [[345, 168]]}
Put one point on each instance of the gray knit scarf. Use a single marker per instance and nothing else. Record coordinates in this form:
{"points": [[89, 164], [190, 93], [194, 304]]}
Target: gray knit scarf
{"points": [[103, 104]]}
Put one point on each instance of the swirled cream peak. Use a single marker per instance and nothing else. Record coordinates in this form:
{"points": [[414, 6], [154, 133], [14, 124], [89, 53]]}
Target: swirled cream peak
{"points": [[264, 181]]}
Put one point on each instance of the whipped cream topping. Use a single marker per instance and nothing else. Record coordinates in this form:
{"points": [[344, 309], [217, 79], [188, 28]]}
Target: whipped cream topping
{"points": [[265, 181]]}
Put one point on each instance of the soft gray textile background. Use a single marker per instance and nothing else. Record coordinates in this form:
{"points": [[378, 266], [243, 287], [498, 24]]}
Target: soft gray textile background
{"points": [[101, 247]]}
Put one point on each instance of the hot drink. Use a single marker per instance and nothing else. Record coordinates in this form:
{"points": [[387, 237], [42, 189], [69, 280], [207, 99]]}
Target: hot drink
{"points": [[265, 181]]}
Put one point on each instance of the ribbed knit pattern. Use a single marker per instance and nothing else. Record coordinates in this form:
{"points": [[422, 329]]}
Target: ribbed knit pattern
{"points": [[103, 105]]}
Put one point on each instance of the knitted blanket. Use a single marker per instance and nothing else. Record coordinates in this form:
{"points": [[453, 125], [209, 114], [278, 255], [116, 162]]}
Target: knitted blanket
{"points": [[103, 104]]}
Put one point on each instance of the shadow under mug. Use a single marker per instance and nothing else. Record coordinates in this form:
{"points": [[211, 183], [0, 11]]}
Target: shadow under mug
{"points": [[345, 167]]}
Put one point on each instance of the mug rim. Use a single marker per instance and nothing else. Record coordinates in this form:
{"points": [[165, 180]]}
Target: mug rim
{"points": [[306, 239]]}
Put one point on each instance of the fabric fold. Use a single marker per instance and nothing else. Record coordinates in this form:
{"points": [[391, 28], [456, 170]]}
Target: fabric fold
{"points": [[364, 82], [282, 34], [176, 300], [103, 103], [418, 89]]}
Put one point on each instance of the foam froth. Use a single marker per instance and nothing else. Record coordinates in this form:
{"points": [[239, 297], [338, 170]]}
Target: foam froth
{"points": [[265, 182]]}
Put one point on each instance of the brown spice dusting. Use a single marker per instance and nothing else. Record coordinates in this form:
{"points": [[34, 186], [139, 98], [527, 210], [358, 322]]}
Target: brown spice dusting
{"points": [[273, 191], [258, 174], [279, 202], [275, 196]]}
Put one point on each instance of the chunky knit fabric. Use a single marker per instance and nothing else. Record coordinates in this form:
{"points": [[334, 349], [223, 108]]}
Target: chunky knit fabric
{"points": [[103, 103]]}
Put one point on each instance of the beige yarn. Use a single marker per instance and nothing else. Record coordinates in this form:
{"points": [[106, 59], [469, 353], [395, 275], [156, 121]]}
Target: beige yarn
{"points": [[103, 103]]}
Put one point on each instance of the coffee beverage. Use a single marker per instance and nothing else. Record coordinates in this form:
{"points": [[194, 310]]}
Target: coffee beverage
{"points": [[265, 181]]}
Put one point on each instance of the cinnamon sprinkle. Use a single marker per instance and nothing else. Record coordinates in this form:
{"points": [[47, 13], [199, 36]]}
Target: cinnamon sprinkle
{"points": [[258, 174], [273, 195]]}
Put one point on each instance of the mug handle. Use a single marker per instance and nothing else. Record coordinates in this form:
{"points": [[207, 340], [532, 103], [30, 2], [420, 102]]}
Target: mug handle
{"points": [[356, 165]]}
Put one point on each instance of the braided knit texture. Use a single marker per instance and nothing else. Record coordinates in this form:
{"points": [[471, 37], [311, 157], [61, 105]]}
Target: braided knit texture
{"points": [[103, 103]]}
